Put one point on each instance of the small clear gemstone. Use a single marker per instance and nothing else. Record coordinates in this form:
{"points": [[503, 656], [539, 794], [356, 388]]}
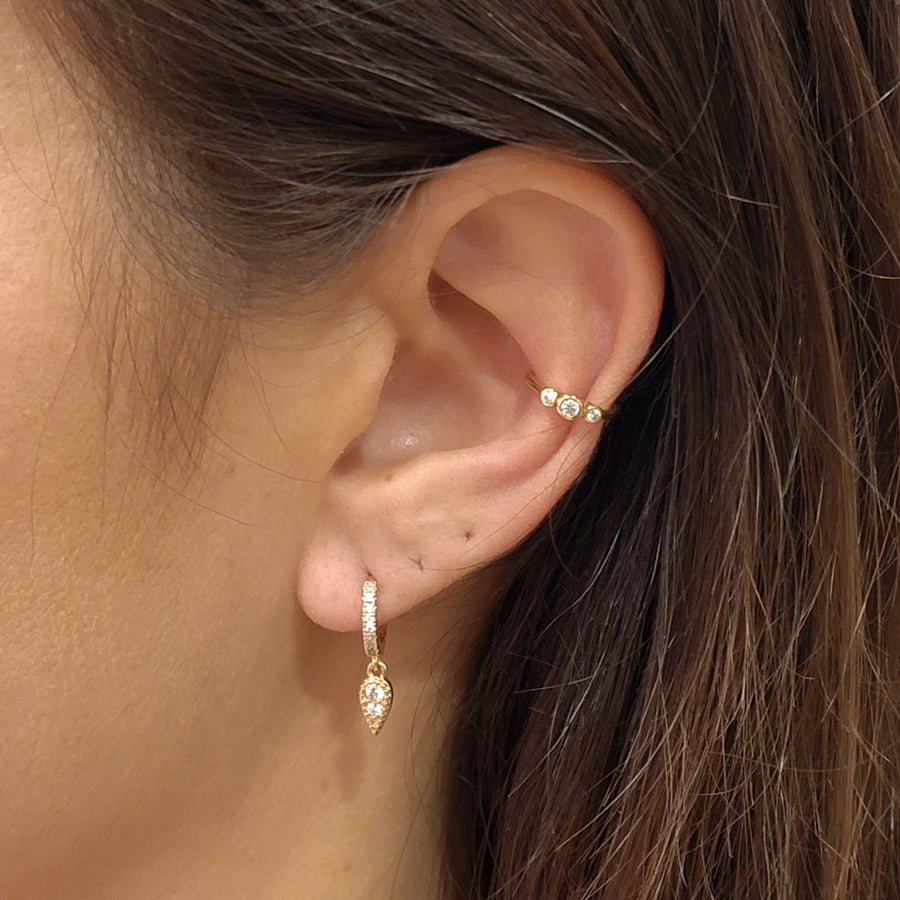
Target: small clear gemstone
{"points": [[549, 396], [374, 710], [374, 692], [569, 407], [593, 414]]}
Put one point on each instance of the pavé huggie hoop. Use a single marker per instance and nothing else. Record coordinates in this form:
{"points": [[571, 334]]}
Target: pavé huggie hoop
{"points": [[568, 406], [375, 693]]}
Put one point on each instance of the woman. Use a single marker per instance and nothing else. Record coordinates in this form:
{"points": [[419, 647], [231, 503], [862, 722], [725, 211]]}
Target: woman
{"points": [[558, 338]]}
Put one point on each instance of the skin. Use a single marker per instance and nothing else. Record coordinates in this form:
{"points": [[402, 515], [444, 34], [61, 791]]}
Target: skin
{"points": [[162, 699], [179, 592]]}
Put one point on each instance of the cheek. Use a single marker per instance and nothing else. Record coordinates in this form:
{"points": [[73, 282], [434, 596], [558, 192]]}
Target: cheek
{"points": [[47, 405], [118, 655], [147, 601], [68, 660], [144, 658], [134, 678]]}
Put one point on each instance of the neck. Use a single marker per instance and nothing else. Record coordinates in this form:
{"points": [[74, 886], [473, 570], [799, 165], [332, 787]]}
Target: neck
{"points": [[329, 809]]}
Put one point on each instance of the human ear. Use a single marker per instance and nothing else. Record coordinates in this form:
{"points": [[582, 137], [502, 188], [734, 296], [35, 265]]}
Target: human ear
{"points": [[507, 263]]}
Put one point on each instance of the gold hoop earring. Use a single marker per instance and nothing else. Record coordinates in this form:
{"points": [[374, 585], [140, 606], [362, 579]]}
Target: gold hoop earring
{"points": [[569, 406], [375, 693]]}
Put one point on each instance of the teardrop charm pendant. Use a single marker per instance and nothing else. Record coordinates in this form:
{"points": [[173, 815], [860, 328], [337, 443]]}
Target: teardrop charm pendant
{"points": [[376, 696]]}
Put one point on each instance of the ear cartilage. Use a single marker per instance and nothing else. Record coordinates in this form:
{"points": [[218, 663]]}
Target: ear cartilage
{"points": [[375, 693], [568, 406]]}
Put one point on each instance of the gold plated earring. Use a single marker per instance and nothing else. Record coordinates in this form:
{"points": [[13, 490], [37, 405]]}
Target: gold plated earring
{"points": [[375, 693], [569, 406]]}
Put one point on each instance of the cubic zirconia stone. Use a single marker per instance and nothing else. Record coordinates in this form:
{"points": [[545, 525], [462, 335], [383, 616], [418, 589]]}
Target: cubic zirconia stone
{"points": [[374, 692], [593, 414], [569, 407], [373, 710], [549, 396]]}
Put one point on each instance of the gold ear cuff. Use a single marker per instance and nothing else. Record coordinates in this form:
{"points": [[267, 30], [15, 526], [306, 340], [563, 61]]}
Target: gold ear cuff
{"points": [[569, 406]]}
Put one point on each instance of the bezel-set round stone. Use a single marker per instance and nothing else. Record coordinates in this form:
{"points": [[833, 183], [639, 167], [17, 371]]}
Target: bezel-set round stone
{"points": [[549, 396], [569, 407]]}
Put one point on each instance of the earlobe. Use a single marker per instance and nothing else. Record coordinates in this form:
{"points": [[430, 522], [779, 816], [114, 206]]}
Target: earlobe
{"points": [[520, 271]]}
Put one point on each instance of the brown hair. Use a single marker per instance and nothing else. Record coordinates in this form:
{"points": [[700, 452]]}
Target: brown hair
{"points": [[687, 690]]}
